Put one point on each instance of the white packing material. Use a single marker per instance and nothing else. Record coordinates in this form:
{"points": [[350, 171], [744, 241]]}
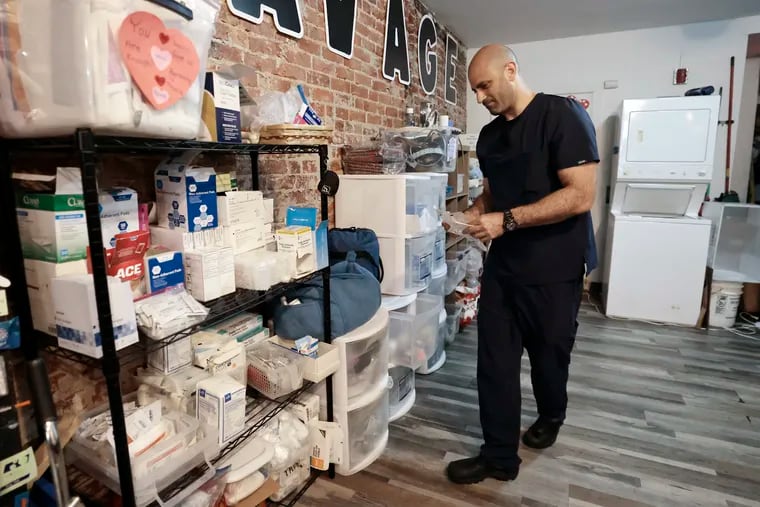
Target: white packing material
{"points": [[229, 360], [168, 312], [221, 405], [205, 345], [238, 491], [247, 459], [261, 269], [68, 69]]}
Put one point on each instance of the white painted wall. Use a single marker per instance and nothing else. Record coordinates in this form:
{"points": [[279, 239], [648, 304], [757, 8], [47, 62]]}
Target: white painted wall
{"points": [[642, 61]]}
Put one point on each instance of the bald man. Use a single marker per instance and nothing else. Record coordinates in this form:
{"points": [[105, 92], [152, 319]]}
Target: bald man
{"points": [[539, 159]]}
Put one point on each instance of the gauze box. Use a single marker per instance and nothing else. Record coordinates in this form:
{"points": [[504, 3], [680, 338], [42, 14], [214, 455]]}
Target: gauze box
{"points": [[53, 228]]}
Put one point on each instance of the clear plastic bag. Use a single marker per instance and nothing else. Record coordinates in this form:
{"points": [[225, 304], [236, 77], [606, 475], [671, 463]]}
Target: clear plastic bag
{"points": [[64, 68], [272, 109]]}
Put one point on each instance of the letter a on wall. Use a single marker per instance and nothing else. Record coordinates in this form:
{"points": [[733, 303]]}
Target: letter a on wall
{"points": [[340, 26], [427, 59], [395, 52], [286, 14], [452, 52]]}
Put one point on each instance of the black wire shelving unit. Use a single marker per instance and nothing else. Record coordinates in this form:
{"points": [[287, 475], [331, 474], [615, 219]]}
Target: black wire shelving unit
{"points": [[87, 147]]}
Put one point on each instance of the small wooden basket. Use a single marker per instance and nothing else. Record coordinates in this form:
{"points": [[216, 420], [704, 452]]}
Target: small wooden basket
{"points": [[296, 134]]}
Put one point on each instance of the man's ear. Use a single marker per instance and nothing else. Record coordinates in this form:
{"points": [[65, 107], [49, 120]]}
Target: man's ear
{"points": [[510, 71]]}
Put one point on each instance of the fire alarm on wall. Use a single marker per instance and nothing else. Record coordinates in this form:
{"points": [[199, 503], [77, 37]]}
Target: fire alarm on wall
{"points": [[680, 76]]}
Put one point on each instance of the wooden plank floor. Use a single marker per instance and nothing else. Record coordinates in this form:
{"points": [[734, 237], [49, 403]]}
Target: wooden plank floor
{"points": [[658, 416]]}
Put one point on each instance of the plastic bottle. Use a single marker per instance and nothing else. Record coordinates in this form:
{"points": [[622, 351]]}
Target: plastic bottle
{"points": [[409, 118]]}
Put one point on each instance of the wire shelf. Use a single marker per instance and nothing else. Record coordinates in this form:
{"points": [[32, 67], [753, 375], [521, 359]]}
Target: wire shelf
{"points": [[112, 144]]}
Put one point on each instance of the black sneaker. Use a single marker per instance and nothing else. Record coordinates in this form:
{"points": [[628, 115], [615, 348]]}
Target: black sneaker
{"points": [[542, 434], [474, 470]]}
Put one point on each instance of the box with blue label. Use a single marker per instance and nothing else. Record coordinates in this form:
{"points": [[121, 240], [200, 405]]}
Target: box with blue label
{"points": [[186, 197], [118, 213], [76, 314], [309, 217], [163, 270], [221, 108]]}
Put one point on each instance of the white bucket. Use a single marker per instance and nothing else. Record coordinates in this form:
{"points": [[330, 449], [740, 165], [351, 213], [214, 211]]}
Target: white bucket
{"points": [[724, 303]]}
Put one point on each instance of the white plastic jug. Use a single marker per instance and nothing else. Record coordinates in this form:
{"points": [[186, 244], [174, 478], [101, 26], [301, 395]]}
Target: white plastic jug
{"points": [[724, 303]]}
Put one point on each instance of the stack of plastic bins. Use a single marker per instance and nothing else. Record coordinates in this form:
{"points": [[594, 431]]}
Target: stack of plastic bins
{"points": [[401, 209], [415, 331], [360, 398], [453, 315]]}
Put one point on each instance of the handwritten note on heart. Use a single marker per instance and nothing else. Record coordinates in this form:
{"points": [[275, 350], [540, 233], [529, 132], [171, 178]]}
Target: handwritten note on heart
{"points": [[163, 63]]}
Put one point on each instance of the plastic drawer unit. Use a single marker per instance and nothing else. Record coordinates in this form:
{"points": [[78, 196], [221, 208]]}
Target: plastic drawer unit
{"points": [[364, 363], [413, 331], [391, 205], [408, 263]]}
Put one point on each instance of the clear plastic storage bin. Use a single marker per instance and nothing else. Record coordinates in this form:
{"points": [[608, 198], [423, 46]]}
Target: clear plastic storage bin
{"points": [[438, 358], [293, 476], [390, 205], [413, 331], [273, 370], [456, 270], [437, 286], [734, 251], [408, 263], [64, 69], [439, 250], [424, 149], [365, 433], [453, 315], [364, 362], [155, 469]]}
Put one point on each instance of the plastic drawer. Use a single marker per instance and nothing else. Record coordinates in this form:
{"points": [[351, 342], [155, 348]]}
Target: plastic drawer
{"points": [[408, 263], [402, 204], [365, 432], [293, 477], [364, 362], [401, 386], [413, 331], [156, 468], [439, 251], [456, 269], [437, 286], [453, 315]]}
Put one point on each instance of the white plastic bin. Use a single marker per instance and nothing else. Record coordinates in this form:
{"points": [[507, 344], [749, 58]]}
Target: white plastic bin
{"points": [[365, 433], [456, 270], [156, 468], [390, 205], [63, 68], [364, 362], [408, 263], [437, 286], [439, 250], [437, 359], [453, 316], [413, 331]]}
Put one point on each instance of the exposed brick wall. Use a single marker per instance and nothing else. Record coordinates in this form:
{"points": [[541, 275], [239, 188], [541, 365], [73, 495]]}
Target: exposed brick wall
{"points": [[350, 95]]}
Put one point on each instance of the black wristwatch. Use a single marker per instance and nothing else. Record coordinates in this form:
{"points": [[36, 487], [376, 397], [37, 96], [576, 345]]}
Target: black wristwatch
{"points": [[510, 224]]}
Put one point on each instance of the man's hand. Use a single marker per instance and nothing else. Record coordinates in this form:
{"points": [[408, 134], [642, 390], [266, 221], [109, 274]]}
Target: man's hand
{"points": [[487, 227]]}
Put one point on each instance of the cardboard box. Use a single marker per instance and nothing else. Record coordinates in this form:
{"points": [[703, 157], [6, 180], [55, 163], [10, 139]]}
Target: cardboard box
{"points": [[221, 404], [39, 276], [259, 497], [76, 314], [163, 270], [240, 327], [186, 197], [241, 208], [119, 213], [183, 241], [300, 240], [173, 357], [221, 108], [53, 228], [210, 273], [244, 238], [230, 361], [268, 211]]}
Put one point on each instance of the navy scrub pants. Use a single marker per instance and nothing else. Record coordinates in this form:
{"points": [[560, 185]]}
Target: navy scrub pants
{"points": [[541, 319]]}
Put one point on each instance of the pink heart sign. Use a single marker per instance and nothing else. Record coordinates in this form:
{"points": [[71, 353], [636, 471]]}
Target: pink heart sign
{"points": [[163, 63]]}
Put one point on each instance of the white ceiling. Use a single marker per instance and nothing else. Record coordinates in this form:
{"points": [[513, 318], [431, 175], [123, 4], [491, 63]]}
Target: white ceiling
{"points": [[479, 22]]}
